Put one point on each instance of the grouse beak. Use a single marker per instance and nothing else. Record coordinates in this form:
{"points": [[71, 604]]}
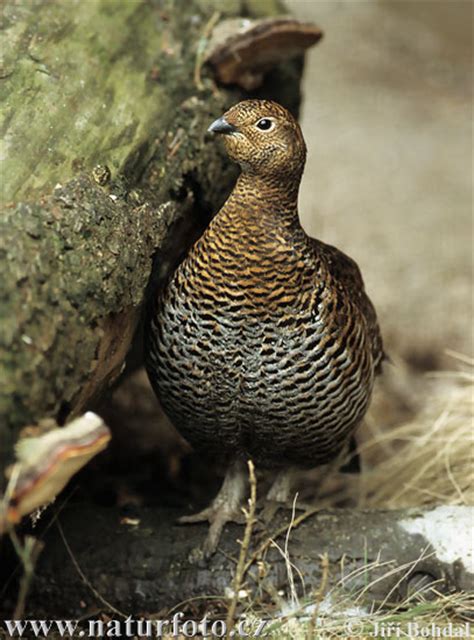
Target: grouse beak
{"points": [[222, 126]]}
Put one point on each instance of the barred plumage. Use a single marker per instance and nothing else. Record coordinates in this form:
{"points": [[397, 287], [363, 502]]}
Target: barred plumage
{"points": [[264, 344]]}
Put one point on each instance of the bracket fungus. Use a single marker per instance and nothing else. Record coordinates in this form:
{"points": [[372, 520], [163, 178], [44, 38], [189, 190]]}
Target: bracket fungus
{"points": [[45, 463], [240, 51]]}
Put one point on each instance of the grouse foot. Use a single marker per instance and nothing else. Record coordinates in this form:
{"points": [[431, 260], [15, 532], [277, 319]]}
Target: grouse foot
{"points": [[226, 507], [280, 490], [281, 496], [278, 495]]}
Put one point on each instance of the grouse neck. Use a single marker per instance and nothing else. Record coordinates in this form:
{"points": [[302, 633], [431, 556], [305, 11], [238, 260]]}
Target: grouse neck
{"points": [[267, 194]]}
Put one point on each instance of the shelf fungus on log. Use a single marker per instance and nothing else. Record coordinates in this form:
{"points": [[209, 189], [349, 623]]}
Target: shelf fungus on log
{"points": [[241, 50], [46, 462]]}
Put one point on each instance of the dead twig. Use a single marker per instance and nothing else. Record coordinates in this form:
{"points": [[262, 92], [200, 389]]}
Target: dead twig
{"points": [[28, 554], [244, 547], [318, 596], [258, 552]]}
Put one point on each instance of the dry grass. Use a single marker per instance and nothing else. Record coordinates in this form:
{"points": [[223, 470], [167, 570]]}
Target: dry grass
{"points": [[416, 446], [339, 618], [428, 459]]}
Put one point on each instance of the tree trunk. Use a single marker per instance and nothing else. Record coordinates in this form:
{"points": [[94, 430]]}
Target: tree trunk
{"points": [[142, 565], [103, 150]]}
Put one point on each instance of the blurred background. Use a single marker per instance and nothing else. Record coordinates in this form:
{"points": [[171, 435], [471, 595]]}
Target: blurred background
{"points": [[387, 116]]}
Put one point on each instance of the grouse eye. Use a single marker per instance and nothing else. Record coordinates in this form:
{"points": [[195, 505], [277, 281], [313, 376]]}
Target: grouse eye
{"points": [[265, 124]]}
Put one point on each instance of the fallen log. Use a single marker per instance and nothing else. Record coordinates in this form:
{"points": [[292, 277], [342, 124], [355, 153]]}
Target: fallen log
{"points": [[141, 565]]}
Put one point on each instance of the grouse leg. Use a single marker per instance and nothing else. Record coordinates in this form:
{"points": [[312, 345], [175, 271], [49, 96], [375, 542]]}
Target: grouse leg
{"points": [[281, 494], [281, 488], [225, 507]]}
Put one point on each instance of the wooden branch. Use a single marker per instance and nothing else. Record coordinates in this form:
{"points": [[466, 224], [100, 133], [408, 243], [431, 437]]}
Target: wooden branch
{"points": [[142, 566]]}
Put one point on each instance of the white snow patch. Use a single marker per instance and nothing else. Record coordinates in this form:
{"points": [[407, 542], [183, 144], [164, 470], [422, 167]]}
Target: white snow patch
{"points": [[327, 607], [450, 530], [330, 608]]}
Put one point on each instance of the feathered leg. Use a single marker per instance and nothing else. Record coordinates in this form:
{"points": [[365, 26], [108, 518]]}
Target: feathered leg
{"points": [[279, 495], [225, 507]]}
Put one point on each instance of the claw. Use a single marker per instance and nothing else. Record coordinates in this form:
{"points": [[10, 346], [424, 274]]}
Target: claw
{"points": [[224, 508], [218, 517], [202, 516], [268, 512]]}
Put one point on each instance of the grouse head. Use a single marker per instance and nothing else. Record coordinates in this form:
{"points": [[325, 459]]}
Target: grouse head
{"points": [[263, 138]]}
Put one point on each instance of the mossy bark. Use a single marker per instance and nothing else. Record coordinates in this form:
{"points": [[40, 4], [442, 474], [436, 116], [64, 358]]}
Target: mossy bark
{"points": [[87, 84]]}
